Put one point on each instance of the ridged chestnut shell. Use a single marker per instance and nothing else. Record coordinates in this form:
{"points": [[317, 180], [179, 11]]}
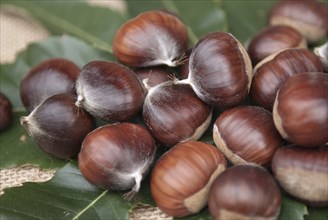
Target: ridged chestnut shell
{"points": [[308, 17], [247, 134], [51, 77], [173, 113], [182, 177], [244, 192], [300, 110], [220, 70], [303, 173], [57, 126], [274, 70], [6, 112], [272, 39], [109, 91], [152, 38], [117, 156]]}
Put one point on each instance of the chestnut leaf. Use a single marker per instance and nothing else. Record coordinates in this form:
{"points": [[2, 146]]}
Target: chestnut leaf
{"points": [[67, 196]]}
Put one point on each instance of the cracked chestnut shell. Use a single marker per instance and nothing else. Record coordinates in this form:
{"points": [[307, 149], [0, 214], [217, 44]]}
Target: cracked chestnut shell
{"points": [[182, 177], [247, 134], [300, 110], [220, 70], [51, 77], [151, 38], [275, 69], [273, 39], [57, 126], [244, 192], [303, 173], [308, 17], [6, 112], [173, 113]]}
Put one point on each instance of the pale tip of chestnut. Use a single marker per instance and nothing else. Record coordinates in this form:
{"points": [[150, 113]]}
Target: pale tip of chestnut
{"points": [[322, 53], [277, 119]]}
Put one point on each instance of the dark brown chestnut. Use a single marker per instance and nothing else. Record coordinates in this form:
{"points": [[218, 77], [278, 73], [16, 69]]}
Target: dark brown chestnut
{"points": [[51, 77], [57, 126], [117, 156], [152, 76], [109, 91], [273, 39], [6, 112], [244, 192], [173, 113], [308, 17], [152, 38], [247, 134], [182, 177], [300, 110], [271, 72], [220, 70], [303, 173]]}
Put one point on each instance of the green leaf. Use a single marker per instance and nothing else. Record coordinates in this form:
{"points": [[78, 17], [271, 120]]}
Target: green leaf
{"points": [[245, 19], [67, 196], [317, 214], [208, 18], [291, 209], [95, 25]]}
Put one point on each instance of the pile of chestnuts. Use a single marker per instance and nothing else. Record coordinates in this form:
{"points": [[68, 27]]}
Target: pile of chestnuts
{"points": [[270, 99]]}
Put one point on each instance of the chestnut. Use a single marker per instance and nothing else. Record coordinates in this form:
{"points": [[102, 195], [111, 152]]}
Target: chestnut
{"points": [[173, 113], [244, 191], [6, 112], [273, 39], [117, 156], [182, 177], [57, 126], [247, 134], [109, 91], [303, 173], [300, 110], [152, 38], [220, 70], [271, 72], [51, 77], [152, 76], [308, 17], [322, 53]]}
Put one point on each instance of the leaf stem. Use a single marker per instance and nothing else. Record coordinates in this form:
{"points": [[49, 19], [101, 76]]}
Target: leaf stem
{"points": [[91, 204]]}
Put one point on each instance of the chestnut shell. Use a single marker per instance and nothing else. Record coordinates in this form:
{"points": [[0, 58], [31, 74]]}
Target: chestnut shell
{"points": [[57, 126], [51, 77], [151, 38], [6, 112], [244, 192], [274, 70], [220, 70], [300, 110], [247, 134], [173, 113], [303, 173], [181, 178], [117, 156]]}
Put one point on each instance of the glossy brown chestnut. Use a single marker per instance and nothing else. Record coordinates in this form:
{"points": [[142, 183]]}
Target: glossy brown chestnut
{"points": [[273, 39], [152, 76], [57, 126], [300, 110], [117, 156], [246, 134], [109, 91], [220, 70], [274, 70], [51, 77], [6, 112], [308, 17], [244, 192], [182, 177], [303, 173], [173, 113], [152, 38]]}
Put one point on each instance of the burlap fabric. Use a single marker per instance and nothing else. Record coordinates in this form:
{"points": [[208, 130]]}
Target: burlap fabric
{"points": [[18, 29]]}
